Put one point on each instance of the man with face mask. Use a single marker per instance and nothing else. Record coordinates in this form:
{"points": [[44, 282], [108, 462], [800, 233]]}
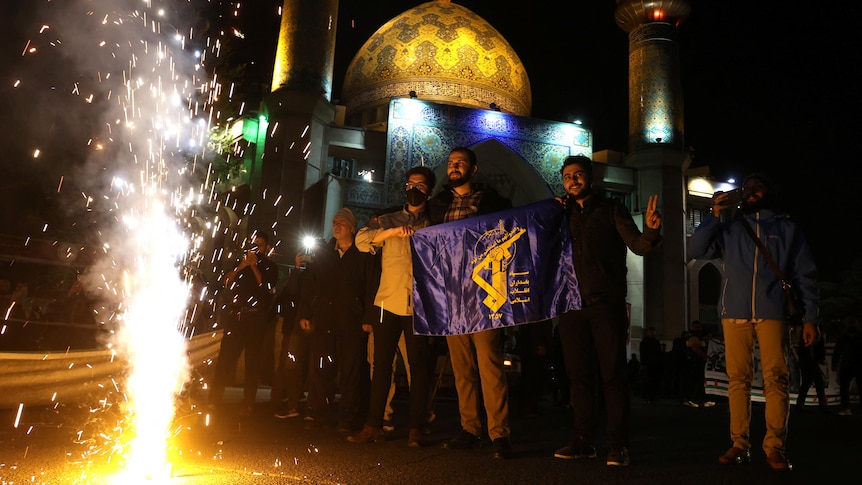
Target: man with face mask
{"points": [[391, 235], [476, 358], [752, 307]]}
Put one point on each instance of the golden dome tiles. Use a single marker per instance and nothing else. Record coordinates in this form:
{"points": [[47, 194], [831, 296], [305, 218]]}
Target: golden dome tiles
{"points": [[440, 41]]}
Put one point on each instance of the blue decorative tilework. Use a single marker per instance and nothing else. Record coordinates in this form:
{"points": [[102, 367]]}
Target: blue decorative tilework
{"points": [[420, 131]]}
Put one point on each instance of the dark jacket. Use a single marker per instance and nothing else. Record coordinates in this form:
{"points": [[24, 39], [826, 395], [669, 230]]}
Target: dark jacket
{"points": [[652, 356], [244, 291], [601, 231], [287, 302], [489, 201], [338, 291]]}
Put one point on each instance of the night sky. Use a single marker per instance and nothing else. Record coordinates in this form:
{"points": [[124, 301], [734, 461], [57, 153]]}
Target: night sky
{"points": [[765, 89]]}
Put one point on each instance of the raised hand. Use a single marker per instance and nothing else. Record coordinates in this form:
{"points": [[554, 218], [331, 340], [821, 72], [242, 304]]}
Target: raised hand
{"points": [[653, 217]]}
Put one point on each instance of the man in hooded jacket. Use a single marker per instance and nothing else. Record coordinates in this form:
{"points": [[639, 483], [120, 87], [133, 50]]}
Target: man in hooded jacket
{"points": [[752, 306]]}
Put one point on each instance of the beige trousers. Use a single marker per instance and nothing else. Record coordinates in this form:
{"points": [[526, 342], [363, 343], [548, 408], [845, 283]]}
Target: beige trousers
{"points": [[772, 337], [475, 358]]}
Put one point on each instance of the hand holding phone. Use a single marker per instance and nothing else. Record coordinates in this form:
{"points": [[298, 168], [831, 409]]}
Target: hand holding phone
{"points": [[725, 200], [734, 197]]}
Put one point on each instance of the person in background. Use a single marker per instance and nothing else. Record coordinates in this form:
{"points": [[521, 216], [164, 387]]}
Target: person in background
{"points": [[533, 346], [652, 360], [634, 369], [694, 383], [250, 287], [847, 361], [810, 359], [752, 307], [477, 358], [336, 300], [602, 228], [391, 235], [290, 376]]}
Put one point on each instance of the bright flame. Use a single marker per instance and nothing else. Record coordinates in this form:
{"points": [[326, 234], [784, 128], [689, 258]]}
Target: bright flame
{"points": [[151, 341]]}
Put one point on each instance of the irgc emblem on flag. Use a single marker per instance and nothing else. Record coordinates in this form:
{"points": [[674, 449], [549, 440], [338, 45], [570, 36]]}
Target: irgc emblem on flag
{"points": [[496, 270]]}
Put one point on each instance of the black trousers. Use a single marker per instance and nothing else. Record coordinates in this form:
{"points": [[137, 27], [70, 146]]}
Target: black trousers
{"points": [[809, 373], [245, 331], [290, 376], [594, 349], [846, 374], [386, 336], [339, 362], [694, 386]]}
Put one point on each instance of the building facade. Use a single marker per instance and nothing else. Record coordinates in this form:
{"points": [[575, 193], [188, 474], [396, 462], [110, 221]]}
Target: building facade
{"points": [[438, 76]]}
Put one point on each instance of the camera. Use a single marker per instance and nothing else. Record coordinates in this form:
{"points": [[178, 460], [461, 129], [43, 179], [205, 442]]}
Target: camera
{"points": [[734, 197], [254, 249]]}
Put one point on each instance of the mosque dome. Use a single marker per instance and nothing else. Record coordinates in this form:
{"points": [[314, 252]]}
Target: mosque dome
{"points": [[444, 53]]}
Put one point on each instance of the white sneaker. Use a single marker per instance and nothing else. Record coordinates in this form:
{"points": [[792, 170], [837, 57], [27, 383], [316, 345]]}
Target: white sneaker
{"points": [[691, 404], [708, 404], [844, 412]]}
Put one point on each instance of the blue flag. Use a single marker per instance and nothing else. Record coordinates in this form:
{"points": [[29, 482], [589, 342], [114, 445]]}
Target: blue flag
{"points": [[495, 270]]}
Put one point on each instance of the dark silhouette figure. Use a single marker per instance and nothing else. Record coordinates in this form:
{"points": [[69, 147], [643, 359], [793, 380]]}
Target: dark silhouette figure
{"points": [[533, 346], [810, 359], [652, 362], [695, 376], [847, 361], [634, 367], [292, 369]]}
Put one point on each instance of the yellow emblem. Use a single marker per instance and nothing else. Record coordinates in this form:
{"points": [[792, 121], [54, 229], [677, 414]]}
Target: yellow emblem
{"points": [[494, 251]]}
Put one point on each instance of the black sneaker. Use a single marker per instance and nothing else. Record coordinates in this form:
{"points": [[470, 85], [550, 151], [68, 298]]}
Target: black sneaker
{"points": [[502, 449], [576, 450], [465, 440], [618, 456]]}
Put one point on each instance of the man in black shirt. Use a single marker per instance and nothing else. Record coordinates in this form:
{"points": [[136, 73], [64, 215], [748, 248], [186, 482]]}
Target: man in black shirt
{"points": [[602, 229]]}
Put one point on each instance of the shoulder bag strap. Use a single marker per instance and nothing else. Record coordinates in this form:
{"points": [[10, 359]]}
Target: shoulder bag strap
{"points": [[762, 248]]}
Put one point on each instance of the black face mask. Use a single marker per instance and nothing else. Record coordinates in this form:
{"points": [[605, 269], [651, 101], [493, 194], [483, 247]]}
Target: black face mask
{"points": [[416, 197]]}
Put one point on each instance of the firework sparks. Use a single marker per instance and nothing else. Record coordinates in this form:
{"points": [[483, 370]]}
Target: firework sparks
{"points": [[148, 86]]}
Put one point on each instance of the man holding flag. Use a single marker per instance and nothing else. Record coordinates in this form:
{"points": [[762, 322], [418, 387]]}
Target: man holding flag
{"points": [[475, 357], [487, 268], [601, 230]]}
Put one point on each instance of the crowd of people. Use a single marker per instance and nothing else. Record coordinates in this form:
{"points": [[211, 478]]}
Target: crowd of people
{"points": [[347, 313]]}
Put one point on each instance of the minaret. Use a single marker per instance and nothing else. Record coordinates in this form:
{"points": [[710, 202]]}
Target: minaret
{"points": [[657, 151], [298, 112]]}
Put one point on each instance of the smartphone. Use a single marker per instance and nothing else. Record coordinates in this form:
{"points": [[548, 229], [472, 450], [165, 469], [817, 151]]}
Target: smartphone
{"points": [[734, 197]]}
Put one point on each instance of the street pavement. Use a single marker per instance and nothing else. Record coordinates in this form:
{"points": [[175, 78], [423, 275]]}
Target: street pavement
{"points": [[670, 444]]}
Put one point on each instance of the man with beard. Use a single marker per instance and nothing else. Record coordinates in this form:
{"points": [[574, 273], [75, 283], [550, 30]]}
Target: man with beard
{"points": [[752, 306], [477, 358], [596, 335]]}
